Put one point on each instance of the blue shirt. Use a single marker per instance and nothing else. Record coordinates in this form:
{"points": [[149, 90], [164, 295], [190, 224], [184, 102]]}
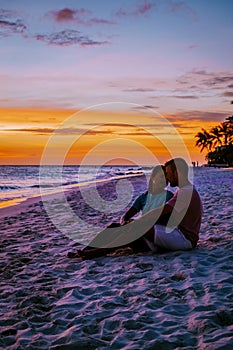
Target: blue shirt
{"points": [[148, 201]]}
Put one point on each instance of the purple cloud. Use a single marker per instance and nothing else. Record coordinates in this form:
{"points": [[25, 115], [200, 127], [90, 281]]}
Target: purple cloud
{"points": [[192, 46], [186, 96], [141, 9], [199, 115], [68, 37], [181, 6], [145, 107], [80, 16], [228, 94], [219, 80], [139, 90], [204, 79], [99, 21], [9, 24], [16, 27]]}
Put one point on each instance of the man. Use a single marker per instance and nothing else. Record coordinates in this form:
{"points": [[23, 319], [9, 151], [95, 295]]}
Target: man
{"points": [[183, 213], [184, 209]]}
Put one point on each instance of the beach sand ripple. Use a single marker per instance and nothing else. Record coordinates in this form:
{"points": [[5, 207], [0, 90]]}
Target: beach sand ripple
{"points": [[177, 300]]}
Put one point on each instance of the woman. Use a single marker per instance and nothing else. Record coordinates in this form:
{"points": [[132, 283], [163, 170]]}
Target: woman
{"points": [[154, 197]]}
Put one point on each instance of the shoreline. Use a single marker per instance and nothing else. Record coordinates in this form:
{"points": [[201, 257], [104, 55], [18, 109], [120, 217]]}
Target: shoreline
{"points": [[17, 205]]}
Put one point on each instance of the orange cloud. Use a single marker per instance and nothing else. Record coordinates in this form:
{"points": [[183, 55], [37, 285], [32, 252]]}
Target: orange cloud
{"points": [[94, 135]]}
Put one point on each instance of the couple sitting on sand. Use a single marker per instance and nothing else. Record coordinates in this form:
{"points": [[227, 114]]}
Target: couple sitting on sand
{"points": [[168, 222]]}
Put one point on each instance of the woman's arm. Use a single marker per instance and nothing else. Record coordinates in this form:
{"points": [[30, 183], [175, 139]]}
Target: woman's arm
{"points": [[128, 215], [137, 206], [141, 226]]}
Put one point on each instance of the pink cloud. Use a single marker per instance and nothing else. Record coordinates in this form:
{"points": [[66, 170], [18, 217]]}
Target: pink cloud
{"points": [[181, 6], [69, 15], [99, 21], [228, 94], [80, 16], [139, 90], [141, 9], [145, 7]]}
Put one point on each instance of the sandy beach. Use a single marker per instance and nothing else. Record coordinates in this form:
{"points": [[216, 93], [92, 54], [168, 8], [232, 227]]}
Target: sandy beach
{"points": [[177, 300]]}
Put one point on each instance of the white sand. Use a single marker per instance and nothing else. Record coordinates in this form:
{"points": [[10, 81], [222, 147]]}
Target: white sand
{"points": [[179, 300]]}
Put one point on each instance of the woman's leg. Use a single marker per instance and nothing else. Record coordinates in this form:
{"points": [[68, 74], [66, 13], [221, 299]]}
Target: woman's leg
{"points": [[138, 246], [101, 235], [90, 251]]}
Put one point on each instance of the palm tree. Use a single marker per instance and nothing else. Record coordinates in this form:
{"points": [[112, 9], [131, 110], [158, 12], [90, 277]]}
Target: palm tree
{"points": [[223, 129], [218, 142], [216, 136], [230, 129], [229, 119], [204, 140]]}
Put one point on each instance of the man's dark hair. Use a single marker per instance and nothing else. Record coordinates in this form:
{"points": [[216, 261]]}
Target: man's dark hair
{"points": [[178, 164]]}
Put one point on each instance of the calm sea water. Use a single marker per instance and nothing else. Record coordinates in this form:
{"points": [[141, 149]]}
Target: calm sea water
{"points": [[21, 182]]}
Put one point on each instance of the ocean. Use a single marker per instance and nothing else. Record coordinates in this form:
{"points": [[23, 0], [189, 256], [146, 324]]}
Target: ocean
{"points": [[18, 183]]}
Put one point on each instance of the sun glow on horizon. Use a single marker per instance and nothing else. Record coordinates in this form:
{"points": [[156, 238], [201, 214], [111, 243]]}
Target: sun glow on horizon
{"points": [[25, 133]]}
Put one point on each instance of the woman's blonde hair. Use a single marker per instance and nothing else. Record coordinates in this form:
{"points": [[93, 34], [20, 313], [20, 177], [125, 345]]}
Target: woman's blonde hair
{"points": [[155, 171]]}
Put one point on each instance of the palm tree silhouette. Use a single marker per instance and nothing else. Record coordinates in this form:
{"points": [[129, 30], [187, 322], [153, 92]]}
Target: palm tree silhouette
{"points": [[204, 140], [218, 142], [216, 136], [223, 129]]}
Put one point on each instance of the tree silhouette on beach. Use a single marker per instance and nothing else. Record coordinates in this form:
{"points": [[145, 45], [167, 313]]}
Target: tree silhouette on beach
{"points": [[218, 142]]}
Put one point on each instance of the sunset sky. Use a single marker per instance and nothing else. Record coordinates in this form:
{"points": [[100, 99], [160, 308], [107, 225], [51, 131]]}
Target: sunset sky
{"points": [[113, 79]]}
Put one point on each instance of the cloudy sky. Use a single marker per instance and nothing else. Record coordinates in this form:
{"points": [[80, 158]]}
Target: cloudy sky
{"points": [[58, 57]]}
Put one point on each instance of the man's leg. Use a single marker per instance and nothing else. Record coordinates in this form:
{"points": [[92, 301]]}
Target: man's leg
{"points": [[149, 235], [174, 240]]}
